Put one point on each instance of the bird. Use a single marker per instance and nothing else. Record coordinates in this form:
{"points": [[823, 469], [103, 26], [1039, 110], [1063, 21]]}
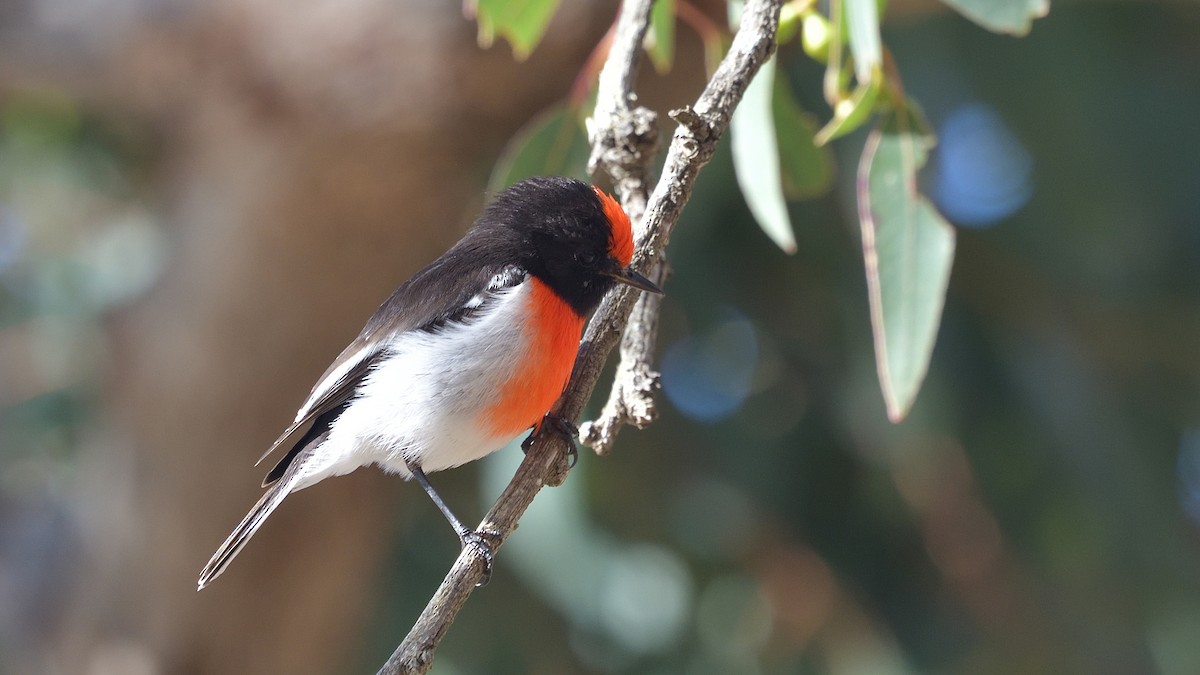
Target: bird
{"points": [[470, 352]]}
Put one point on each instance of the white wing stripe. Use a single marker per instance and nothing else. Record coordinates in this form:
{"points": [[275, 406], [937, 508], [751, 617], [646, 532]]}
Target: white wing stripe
{"points": [[331, 379]]}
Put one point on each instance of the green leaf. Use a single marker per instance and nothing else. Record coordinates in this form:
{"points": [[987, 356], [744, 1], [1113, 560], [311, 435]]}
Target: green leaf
{"points": [[521, 22], [756, 158], [908, 249], [806, 168], [551, 144], [790, 19], [862, 19], [660, 39], [851, 113], [1002, 16], [815, 36]]}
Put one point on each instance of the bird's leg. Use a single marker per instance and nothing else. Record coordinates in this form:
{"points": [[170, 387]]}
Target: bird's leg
{"points": [[561, 426], [468, 536]]}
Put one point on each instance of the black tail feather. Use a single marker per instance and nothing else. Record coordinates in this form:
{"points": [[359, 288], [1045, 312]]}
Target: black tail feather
{"points": [[311, 438], [242, 533]]}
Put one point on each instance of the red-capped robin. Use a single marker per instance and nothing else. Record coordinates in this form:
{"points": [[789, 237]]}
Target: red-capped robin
{"points": [[464, 356]]}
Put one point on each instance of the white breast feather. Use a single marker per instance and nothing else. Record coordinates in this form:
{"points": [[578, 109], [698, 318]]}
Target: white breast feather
{"points": [[422, 402]]}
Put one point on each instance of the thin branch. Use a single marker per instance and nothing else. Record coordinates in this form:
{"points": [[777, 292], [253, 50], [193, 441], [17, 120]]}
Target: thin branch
{"points": [[624, 136], [624, 141], [701, 126], [694, 142]]}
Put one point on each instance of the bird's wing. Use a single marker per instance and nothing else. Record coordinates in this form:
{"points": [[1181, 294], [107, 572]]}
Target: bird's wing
{"points": [[443, 293], [335, 388]]}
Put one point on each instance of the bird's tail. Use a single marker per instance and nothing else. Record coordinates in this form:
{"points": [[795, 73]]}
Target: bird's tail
{"points": [[246, 529]]}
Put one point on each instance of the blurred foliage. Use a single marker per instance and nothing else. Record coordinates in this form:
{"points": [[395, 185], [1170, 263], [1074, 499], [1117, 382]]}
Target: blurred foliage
{"points": [[75, 243], [521, 23], [551, 144]]}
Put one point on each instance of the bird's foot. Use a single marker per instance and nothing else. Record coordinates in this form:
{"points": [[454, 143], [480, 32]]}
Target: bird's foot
{"points": [[479, 542], [563, 427]]}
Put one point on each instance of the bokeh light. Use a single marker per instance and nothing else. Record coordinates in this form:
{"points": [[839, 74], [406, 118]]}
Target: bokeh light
{"points": [[983, 174], [707, 375]]}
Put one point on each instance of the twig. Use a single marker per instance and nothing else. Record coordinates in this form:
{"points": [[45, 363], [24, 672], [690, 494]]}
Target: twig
{"points": [[624, 141], [624, 136], [694, 142]]}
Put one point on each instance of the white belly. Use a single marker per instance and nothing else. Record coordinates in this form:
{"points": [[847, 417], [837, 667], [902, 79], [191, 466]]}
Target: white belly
{"points": [[421, 404]]}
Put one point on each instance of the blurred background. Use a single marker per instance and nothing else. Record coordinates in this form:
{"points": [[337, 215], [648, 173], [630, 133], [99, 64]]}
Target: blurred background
{"points": [[201, 202]]}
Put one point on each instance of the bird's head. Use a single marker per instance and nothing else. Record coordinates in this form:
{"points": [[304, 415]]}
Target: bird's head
{"points": [[574, 237]]}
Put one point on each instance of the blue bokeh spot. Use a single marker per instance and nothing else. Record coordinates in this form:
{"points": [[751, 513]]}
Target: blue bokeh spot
{"points": [[707, 376], [984, 173]]}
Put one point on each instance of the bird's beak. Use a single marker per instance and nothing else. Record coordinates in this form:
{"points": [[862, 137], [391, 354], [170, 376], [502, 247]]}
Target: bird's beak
{"points": [[631, 278]]}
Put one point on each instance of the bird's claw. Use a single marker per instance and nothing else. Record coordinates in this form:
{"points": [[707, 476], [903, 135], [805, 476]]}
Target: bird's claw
{"points": [[477, 541], [563, 427]]}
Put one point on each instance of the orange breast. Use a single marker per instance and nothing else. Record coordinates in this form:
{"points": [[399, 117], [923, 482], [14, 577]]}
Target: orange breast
{"points": [[541, 373]]}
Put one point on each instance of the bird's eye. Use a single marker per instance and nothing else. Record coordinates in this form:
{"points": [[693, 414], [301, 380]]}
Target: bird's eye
{"points": [[585, 258]]}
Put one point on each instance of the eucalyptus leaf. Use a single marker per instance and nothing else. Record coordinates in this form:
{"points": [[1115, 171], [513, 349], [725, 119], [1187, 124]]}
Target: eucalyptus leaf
{"points": [[862, 19], [790, 19], [851, 113], [551, 144], [521, 22], [756, 158], [1014, 17], [660, 39], [908, 249], [815, 36], [806, 169]]}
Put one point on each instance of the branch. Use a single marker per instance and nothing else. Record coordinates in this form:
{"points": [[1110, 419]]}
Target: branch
{"points": [[624, 157], [624, 142], [631, 400], [624, 137]]}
